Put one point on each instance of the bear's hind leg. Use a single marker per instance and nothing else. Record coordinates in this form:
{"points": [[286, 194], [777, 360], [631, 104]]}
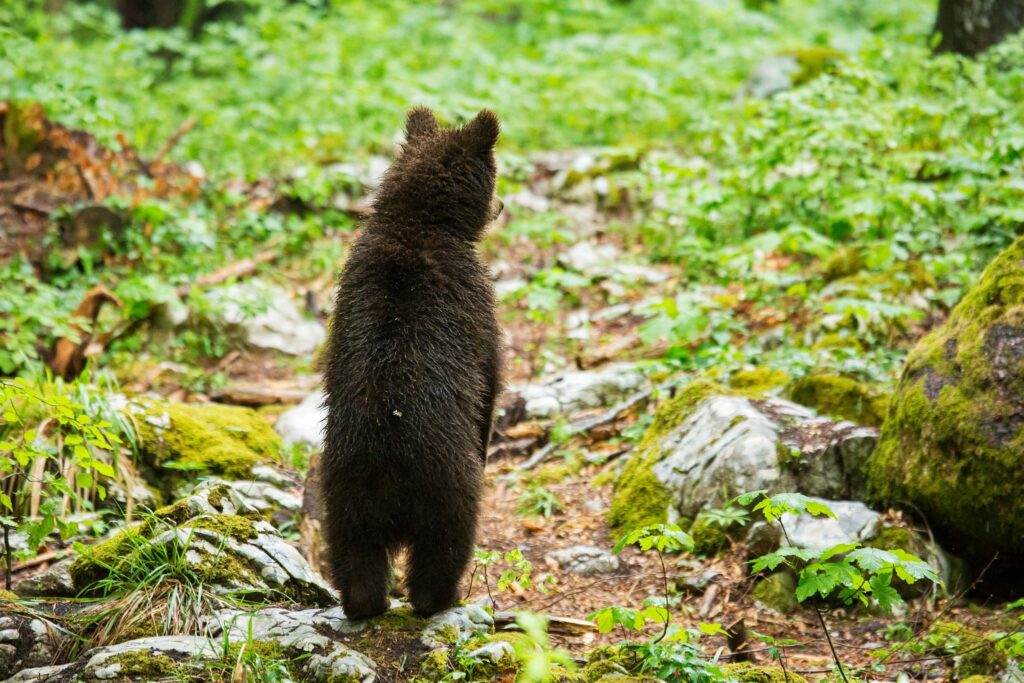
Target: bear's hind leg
{"points": [[436, 564], [362, 573]]}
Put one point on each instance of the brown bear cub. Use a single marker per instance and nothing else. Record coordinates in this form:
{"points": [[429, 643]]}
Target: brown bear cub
{"points": [[412, 374]]}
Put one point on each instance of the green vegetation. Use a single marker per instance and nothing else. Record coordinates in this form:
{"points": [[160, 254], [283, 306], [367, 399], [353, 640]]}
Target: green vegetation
{"points": [[794, 196], [952, 444]]}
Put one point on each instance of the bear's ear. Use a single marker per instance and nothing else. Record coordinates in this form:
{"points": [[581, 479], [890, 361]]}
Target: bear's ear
{"points": [[419, 121], [482, 132]]}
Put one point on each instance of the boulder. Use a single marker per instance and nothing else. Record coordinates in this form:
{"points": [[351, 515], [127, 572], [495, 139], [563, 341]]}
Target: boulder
{"points": [[585, 560], [952, 445], [578, 390], [304, 423], [263, 315], [222, 538], [708, 444], [202, 438]]}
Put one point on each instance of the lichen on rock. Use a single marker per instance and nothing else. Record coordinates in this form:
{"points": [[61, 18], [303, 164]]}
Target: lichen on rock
{"points": [[952, 444]]}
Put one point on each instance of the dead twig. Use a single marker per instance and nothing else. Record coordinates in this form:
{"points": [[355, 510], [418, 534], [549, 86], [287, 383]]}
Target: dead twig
{"points": [[587, 424], [242, 268], [175, 138]]}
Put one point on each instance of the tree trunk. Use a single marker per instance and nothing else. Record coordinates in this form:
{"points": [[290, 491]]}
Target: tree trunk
{"points": [[150, 13], [972, 26]]}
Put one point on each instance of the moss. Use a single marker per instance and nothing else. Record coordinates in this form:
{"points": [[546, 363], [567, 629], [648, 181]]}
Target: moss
{"points": [[640, 498], [838, 340], [746, 672], [208, 438], [777, 592], [144, 665], [974, 654], [894, 538], [237, 527], [708, 538], [979, 679], [840, 397], [759, 380], [813, 61], [844, 263], [436, 664], [952, 445], [560, 674], [95, 561]]}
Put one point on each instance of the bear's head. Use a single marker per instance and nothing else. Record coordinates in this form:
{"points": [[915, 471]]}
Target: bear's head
{"points": [[443, 178]]}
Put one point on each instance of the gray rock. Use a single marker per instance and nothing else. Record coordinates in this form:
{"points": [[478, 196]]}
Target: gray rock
{"points": [[304, 424], [264, 562], [771, 75], [763, 538], [854, 523], [597, 260], [41, 674], [102, 663], [27, 641], [54, 581], [265, 317], [574, 391], [498, 652], [308, 631], [586, 560], [730, 445], [456, 625]]}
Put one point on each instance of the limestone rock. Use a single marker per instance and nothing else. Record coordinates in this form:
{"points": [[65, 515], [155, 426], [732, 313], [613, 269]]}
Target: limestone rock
{"points": [[586, 560], [304, 424], [27, 641], [224, 539], [264, 316], [952, 445], [854, 523], [574, 391], [706, 446]]}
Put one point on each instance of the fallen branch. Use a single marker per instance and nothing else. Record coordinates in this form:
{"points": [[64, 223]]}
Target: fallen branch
{"points": [[67, 357], [254, 395], [556, 624], [242, 268], [587, 424], [175, 138]]}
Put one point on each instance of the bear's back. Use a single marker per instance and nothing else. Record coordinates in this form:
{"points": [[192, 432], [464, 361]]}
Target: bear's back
{"points": [[413, 326]]}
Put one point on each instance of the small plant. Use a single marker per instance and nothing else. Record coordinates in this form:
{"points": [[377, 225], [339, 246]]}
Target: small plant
{"points": [[847, 572], [518, 573], [661, 538], [539, 500], [151, 586], [537, 659], [56, 455]]}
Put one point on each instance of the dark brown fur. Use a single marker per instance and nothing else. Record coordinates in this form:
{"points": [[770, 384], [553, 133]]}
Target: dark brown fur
{"points": [[412, 373]]}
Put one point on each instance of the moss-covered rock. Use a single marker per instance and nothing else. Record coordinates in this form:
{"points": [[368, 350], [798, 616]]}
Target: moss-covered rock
{"points": [[844, 262], [974, 655], [142, 665], [746, 672], [709, 538], [952, 444], [777, 591], [640, 497], [841, 397], [206, 438], [758, 381], [222, 544]]}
